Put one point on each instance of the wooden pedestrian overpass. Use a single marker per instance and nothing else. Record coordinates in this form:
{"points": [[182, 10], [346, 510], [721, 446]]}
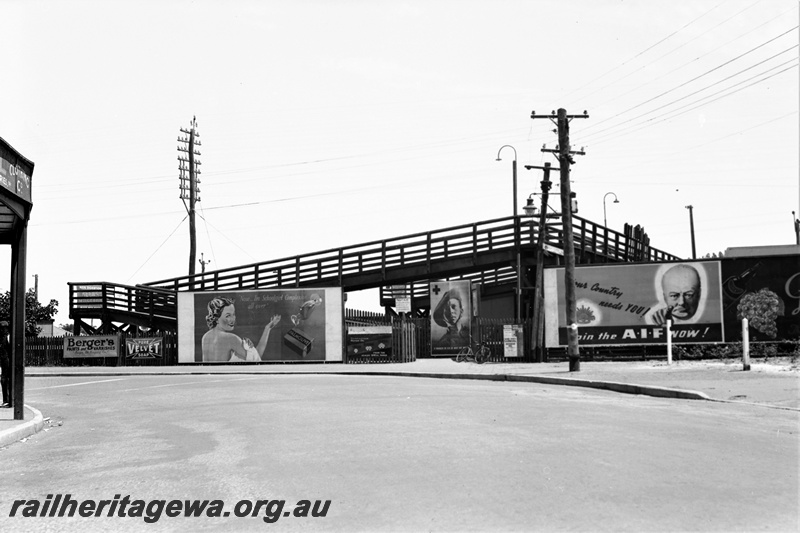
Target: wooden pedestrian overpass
{"points": [[499, 254]]}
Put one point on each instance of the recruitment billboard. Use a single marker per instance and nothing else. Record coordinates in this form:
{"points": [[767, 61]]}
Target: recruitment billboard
{"points": [[630, 304], [451, 316], [260, 325]]}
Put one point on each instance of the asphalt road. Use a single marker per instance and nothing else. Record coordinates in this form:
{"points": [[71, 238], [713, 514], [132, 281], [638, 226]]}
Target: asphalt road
{"points": [[400, 454]]}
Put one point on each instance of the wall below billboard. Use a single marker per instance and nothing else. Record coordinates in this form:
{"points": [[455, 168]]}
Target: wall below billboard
{"points": [[260, 325]]}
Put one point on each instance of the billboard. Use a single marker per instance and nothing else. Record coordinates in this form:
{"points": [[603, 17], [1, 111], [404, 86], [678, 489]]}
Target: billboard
{"points": [[260, 325], [766, 291], [630, 304], [451, 315], [91, 346], [144, 348], [369, 341]]}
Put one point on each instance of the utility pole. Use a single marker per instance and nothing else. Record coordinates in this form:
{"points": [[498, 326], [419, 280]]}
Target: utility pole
{"points": [[796, 228], [36, 287], [565, 160], [187, 165], [538, 294], [691, 228]]}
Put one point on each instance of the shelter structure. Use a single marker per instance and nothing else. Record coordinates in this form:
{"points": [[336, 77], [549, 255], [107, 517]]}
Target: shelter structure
{"points": [[15, 208]]}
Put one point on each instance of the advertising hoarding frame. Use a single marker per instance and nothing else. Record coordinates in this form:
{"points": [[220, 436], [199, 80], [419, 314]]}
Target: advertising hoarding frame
{"points": [[626, 304], [261, 325], [451, 316]]}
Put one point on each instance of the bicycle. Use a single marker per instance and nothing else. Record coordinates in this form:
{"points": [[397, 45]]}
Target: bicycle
{"points": [[480, 355]]}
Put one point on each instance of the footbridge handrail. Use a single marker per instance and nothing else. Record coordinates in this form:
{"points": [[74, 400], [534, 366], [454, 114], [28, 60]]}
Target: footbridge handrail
{"points": [[334, 264], [90, 297]]}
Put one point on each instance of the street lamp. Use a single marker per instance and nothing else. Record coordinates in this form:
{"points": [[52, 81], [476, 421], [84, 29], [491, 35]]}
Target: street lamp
{"points": [[691, 228], [530, 207], [514, 170], [605, 222]]}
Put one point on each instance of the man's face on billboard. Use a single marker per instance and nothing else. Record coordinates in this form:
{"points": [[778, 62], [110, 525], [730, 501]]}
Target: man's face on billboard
{"points": [[681, 287]]}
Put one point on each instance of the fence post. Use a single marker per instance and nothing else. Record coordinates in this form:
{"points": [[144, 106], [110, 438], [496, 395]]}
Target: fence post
{"points": [[745, 345], [669, 342]]}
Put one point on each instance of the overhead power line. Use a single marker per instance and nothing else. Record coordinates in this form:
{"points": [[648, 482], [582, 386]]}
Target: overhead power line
{"points": [[684, 65], [592, 134], [649, 122], [157, 249], [706, 73], [652, 46]]}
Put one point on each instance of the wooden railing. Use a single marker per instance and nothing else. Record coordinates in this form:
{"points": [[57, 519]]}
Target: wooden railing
{"points": [[90, 298], [420, 248]]}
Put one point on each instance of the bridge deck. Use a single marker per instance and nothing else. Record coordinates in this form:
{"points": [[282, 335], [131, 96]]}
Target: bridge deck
{"points": [[489, 250]]}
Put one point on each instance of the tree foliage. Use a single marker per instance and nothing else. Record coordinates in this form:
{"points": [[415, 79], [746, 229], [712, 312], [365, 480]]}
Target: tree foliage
{"points": [[34, 311]]}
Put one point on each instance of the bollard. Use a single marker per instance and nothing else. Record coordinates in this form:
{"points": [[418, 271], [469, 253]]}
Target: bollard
{"points": [[745, 345], [669, 342]]}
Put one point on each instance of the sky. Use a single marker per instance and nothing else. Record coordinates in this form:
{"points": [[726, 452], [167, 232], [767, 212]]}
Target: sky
{"points": [[332, 123]]}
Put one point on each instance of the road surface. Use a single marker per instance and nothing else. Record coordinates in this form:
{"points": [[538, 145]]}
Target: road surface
{"points": [[395, 454]]}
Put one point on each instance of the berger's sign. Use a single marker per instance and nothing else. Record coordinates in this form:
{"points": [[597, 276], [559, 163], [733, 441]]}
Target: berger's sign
{"points": [[91, 346]]}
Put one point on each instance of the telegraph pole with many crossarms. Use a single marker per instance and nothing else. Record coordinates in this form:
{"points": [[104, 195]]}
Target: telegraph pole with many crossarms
{"points": [[189, 181]]}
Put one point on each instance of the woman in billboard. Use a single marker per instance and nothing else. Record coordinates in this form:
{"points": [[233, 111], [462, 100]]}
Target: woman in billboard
{"points": [[221, 345]]}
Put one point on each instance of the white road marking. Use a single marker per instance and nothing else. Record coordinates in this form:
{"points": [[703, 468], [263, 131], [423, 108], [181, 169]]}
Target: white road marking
{"points": [[75, 384], [190, 383]]}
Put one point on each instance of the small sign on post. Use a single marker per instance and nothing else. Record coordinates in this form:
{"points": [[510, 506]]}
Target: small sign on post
{"points": [[512, 340], [403, 304]]}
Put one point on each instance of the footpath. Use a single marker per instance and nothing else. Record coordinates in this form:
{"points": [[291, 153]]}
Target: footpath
{"points": [[773, 384]]}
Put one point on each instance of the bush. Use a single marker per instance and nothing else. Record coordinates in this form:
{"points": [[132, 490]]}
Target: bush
{"points": [[734, 350]]}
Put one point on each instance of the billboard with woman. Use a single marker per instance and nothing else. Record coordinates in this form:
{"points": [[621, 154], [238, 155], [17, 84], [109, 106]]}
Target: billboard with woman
{"points": [[260, 326]]}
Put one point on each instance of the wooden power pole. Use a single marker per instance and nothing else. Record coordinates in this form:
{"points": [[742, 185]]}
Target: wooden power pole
{"points": [[565, 160], [189, 181]]}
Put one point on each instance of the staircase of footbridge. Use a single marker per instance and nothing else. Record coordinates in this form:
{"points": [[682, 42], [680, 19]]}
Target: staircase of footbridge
{"points": [[495, 253]]}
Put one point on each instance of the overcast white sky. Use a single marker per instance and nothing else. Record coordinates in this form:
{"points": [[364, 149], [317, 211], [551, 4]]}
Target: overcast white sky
{"points": [[329, 123]]}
